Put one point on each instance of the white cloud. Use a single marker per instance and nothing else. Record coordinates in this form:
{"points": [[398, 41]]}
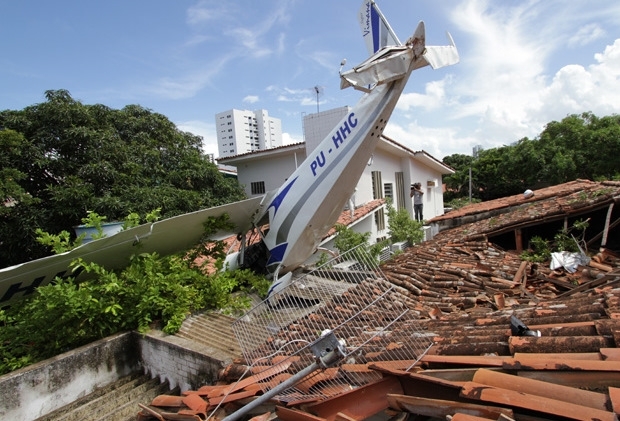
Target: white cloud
{"points": [[437, 141], [281, 48], [308, 101], [433, 98], [221, 23], [300, 96], [586, 34], [255, 40], [503, 63], [250, 99], [325, 59], [575, 89], [503, 89], [203, 12], [190, 84], [251, 42], [288, 138]]}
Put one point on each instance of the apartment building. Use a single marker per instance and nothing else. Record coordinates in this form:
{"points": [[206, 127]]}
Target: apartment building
{"points": [[243, 131]]}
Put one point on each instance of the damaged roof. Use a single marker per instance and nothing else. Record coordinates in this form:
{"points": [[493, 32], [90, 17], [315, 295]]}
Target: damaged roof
{"points": [[555, 202], [512, 339]]}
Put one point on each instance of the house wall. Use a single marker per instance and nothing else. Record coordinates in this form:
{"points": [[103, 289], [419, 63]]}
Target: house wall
{"points": [[413, 171], [319, 125], [432, 187], [364, 225], [398, 166], [273, 172]]}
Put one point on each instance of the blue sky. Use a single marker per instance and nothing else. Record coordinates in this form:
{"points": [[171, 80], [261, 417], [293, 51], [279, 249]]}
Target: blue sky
{"points": [[523, 63]]}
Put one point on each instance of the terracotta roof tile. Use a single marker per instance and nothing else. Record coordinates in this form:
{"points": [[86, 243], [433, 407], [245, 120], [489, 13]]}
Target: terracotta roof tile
{"points": [[466, 291], [564, 199]]}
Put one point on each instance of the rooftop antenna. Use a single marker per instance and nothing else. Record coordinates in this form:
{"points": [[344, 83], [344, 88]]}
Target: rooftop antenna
{"points": [[318, 90]]}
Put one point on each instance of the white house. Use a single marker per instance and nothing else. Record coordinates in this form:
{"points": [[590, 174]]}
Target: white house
{"points": [[389, 173]]}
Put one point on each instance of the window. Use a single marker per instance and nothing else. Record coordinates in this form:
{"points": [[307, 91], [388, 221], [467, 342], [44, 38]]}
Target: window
{"points": [[257, 187], [377, 190], [388, 190], [401, 192], [380, 219]]}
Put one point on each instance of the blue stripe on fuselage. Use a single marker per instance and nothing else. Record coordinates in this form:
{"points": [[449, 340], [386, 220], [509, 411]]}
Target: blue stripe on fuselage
{"points": [[285, 227], [277, 201], [276, 254]]}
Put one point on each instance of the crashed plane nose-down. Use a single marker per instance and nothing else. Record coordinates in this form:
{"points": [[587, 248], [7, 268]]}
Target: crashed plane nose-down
{"points": [[307, 205]]}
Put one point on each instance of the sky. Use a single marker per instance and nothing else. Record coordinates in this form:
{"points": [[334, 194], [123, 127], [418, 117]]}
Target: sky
{"points": [[522, 63]]}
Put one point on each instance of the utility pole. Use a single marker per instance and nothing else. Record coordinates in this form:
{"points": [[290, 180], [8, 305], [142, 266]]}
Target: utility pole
{"points": [[470, 183], [474, 153]]}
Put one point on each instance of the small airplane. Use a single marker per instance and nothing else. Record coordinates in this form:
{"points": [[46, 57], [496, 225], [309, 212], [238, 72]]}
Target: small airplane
{"points": [[304, 208]]}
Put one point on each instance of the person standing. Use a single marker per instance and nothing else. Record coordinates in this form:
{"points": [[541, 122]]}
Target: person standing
{"points": [[417, 193]]}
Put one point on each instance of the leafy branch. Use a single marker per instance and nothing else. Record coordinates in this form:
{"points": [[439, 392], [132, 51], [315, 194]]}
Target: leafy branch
{"points": [[62, 242]]}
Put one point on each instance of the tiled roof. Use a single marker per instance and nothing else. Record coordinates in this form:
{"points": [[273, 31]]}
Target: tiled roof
{"points": [[260, 151], [567, 198], [560, 361], [359, 213]]}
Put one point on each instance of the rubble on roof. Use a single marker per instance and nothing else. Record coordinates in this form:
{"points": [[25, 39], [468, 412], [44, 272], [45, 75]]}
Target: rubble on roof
{"points": [[476, 367], [512, 340]]}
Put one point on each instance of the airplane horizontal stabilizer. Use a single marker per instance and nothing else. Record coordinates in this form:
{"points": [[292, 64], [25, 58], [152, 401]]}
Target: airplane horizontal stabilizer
{"points": [[441, 56]]}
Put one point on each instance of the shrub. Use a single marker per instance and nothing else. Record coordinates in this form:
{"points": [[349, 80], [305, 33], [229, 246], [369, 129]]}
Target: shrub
{"points": [[151, 289], [402, 227]]}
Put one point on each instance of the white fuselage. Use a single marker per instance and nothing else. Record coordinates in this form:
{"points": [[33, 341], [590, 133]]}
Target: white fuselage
{"points": [[308, 205]]}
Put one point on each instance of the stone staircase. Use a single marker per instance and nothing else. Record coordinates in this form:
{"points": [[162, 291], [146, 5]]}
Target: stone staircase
{"points": [[119, 401], [115, 402]]}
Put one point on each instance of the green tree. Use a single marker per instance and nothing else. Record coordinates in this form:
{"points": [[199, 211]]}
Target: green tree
{"points": [[604, 144], [578, 146], [457, 184], [62, 158]]}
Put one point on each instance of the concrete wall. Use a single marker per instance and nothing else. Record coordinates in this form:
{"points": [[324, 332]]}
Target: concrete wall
{"points": [[177, 360], [41, 388]]}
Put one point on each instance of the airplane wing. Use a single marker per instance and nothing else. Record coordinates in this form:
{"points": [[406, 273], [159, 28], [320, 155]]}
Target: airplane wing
{"points": [[376, 30], [164, 237]]}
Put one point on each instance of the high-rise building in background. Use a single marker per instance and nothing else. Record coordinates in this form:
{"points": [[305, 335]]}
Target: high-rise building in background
{"points": [[243, 131]]}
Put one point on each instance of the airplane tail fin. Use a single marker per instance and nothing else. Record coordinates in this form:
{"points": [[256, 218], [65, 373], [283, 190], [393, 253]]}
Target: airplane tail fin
{"points": [[376, 30], [436, 56], [378, 33]]}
